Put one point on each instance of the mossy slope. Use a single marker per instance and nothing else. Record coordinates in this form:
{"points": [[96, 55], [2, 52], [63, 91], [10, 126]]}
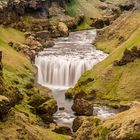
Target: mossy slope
{"points": [[114, 83], [19, 72]]}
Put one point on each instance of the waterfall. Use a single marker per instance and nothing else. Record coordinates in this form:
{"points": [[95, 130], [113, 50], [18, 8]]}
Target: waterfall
{"points": [[62, 65]]}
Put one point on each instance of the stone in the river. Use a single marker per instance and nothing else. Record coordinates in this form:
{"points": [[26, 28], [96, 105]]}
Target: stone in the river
{"points": [[61, 108], [63, 130], [82, 107]]}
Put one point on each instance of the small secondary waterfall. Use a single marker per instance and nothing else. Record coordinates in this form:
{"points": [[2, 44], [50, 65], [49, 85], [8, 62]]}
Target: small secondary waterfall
{"points": [[62, 65]]}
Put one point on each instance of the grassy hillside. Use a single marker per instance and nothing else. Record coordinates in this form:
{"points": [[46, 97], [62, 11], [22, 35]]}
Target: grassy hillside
{"points": [[79, 7], [18, 72], [118, 84]]}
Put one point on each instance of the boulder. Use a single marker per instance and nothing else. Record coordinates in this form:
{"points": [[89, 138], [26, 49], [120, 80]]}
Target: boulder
{"points": [[39, 98], [63, 29], [4, 106], [49, 107], [82, 107], [126, 6], [48, 44], [42, 34], [65, 130], [128, 56], [100, 23]]}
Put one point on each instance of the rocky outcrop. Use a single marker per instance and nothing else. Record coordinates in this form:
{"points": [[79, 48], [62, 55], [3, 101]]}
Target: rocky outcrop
{"points": [[124, 126], [15, 9], [101, 23], [65, 130], [34, 42], [44, 106], [128, 56], [82, 106]]}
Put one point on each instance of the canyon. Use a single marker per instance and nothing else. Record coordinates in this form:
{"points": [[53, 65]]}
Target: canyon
{"points": [[69, 70]]}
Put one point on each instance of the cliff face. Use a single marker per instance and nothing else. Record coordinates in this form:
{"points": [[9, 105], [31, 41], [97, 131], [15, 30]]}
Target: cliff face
{"points": [[12, 10]]}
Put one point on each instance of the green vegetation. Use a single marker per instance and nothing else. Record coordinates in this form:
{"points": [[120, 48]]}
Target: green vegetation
{"points": [[79, 7], [19, 72], [118, 84]]}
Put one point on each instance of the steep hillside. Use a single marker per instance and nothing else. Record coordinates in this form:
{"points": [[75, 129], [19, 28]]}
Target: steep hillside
{"points": [[16, 90], [124, 126], [115, 85]]}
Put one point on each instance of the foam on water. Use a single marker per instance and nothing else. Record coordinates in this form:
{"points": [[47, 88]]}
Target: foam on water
{"points": [[62, 65]]}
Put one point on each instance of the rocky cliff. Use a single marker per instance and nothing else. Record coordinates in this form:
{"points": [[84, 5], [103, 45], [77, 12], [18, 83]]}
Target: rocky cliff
{"points": [[15, 9]]}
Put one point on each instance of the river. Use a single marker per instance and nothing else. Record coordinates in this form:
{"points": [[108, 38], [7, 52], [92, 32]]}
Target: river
{"points": [[61, 66]]}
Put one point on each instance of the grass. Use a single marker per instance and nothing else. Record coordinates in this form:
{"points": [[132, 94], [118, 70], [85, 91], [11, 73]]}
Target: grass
{"points": [[79, 7], [18, 69], [114, 83]]}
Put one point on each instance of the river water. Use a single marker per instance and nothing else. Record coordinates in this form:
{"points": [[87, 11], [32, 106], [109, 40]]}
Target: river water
{"points": [[61, 66]]}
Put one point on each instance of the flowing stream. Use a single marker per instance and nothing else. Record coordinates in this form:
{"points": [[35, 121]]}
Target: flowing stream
{"points": [[61, 66]]}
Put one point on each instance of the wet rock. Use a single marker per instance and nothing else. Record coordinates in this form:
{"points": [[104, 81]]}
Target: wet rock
{"points": [[82, 107], [77, 123], [4, 106], [65, 130], [63, 29], [61, 108]]}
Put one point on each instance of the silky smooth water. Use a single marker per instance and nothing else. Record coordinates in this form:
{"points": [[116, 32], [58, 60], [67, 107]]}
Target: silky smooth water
{"points": [[61, 66]]}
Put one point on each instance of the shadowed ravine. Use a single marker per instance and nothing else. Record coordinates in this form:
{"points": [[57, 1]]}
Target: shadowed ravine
{"points": [[61, 66]]}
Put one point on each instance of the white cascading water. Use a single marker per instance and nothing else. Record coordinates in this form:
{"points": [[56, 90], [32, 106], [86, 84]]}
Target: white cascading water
{"points": [[62, 65]]}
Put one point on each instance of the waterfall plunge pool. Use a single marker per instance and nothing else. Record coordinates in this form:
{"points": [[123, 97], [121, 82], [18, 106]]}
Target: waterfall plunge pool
{"points": [[61, 66]]}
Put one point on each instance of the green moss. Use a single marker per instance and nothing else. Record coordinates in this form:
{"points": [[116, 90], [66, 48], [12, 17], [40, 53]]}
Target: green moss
{"points": [[79, 7], [119, 85], [133, 136]]}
